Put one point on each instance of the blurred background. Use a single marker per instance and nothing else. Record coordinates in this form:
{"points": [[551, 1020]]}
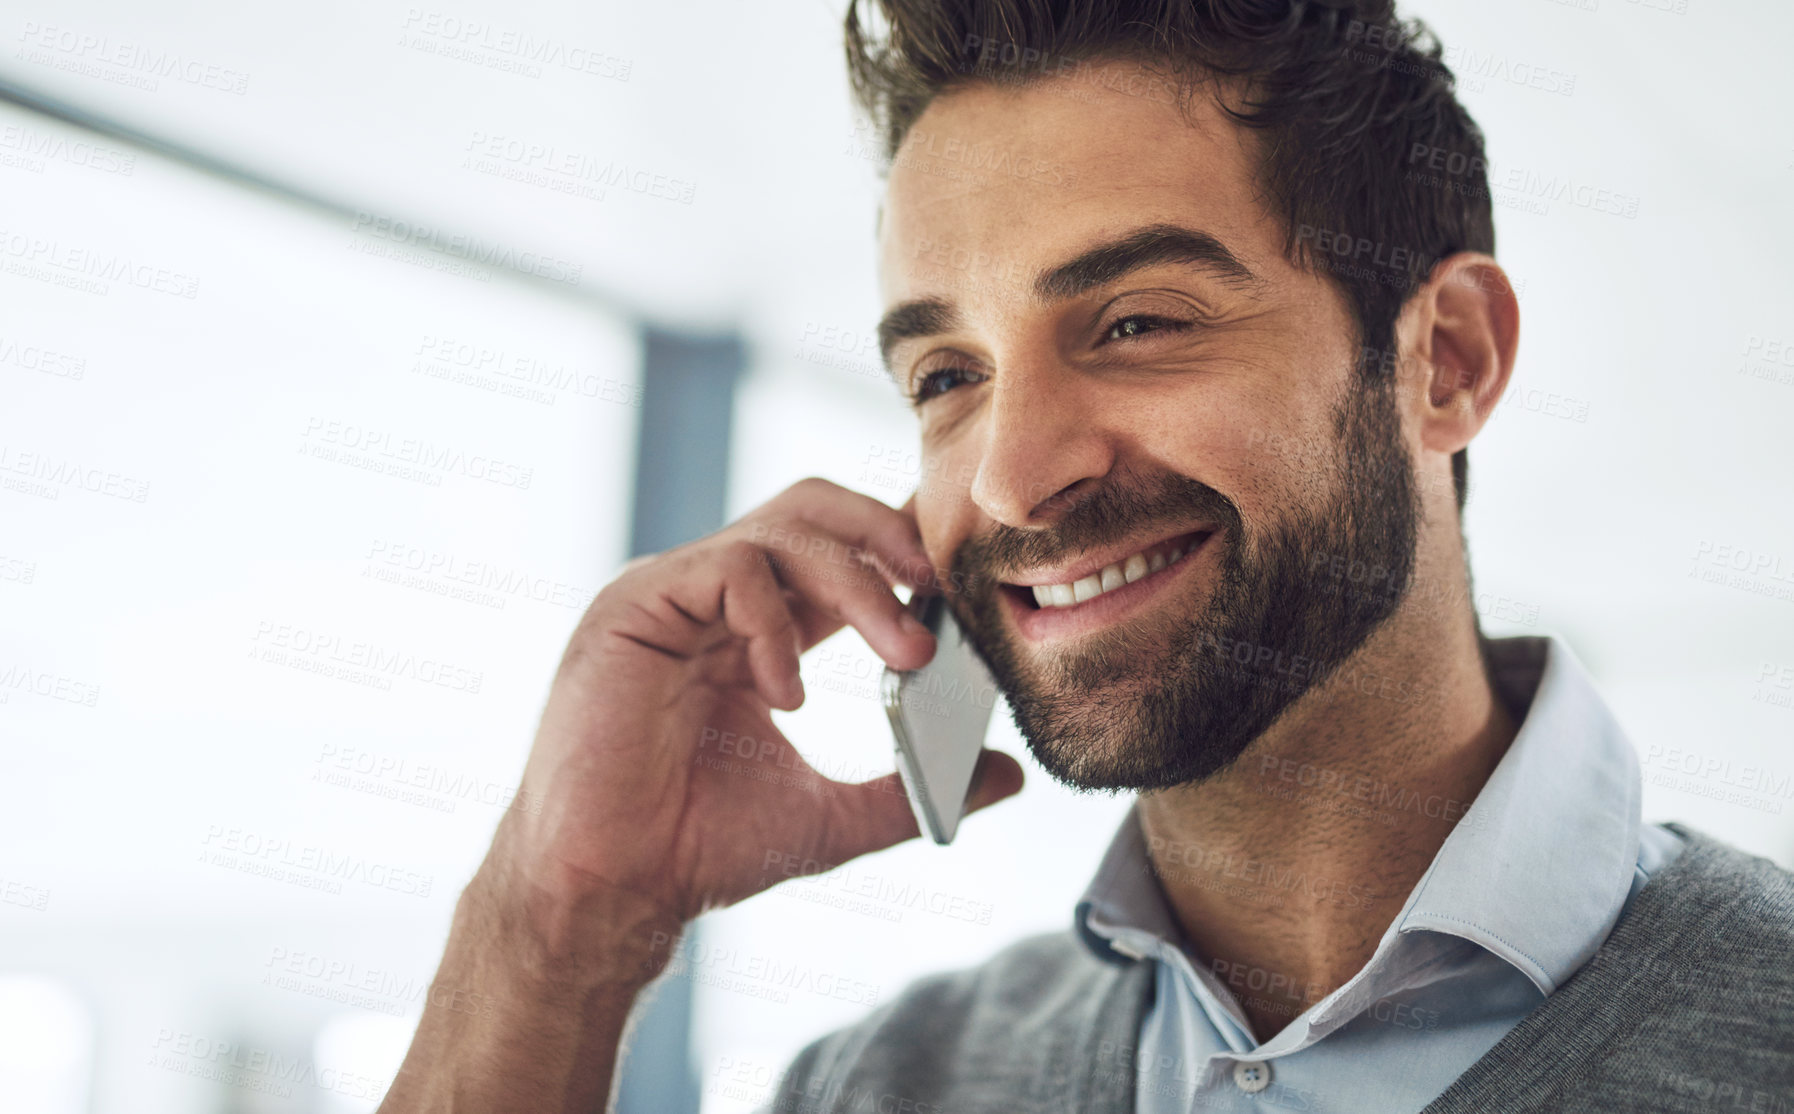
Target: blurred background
{"points": [[347, 349]]}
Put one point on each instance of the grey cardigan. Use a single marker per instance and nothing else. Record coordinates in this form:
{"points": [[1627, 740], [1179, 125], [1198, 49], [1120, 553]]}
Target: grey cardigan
{"points": [[1688, 1006]]}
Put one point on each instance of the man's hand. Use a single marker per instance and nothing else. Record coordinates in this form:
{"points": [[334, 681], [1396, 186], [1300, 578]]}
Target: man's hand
{"points": [[576, 907], [699, 644]]}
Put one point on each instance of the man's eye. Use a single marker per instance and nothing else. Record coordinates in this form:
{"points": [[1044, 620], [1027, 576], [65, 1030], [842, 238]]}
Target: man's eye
{"points": [[1140, 324], [940, 381]]}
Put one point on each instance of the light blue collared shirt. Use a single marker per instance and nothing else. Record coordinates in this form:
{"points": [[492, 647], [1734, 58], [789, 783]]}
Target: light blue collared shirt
{"points": [[1524, 890]]}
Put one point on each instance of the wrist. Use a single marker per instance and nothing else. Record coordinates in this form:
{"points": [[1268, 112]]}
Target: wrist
{"points": [[569, 932], [534, 994]]}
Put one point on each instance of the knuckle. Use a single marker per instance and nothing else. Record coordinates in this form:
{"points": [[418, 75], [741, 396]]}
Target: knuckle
{"points": [[627, 575], [631, 566], [630, 579], [743, 555], [813, 486], [607, 598]]}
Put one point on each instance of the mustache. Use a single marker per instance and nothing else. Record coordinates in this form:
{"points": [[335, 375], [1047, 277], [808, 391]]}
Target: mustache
{"points": [[1108, 514]]}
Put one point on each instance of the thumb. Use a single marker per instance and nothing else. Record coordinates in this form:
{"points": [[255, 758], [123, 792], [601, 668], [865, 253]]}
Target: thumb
{"points": [[874, 815], [996, 776]]}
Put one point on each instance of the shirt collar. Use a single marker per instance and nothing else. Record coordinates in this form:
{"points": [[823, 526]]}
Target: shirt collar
{"points": [[1125, 892], [1537, 870]]}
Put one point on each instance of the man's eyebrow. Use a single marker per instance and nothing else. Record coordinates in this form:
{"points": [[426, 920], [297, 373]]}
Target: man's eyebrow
{"points": [[1151, 246], [923, 317]]}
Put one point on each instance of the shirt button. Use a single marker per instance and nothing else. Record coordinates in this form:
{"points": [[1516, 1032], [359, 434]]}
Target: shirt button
{"points": [[1252, 1078]]}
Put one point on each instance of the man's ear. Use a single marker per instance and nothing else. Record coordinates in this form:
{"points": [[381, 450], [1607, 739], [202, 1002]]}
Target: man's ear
{"points": [[1458, 334]]}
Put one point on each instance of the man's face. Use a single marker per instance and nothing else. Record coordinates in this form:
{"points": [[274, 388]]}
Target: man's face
{"points": [[1124, 388]]}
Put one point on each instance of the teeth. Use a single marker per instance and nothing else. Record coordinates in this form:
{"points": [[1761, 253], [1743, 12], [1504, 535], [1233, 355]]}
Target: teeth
{"points": [[1108, 579]]}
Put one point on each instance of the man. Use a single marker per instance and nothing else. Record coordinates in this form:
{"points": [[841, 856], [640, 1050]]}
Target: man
{"points": [[1196, 352]]}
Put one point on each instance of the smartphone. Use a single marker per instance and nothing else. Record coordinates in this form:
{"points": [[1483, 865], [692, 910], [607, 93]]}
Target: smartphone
{"points": [[939, 714]]}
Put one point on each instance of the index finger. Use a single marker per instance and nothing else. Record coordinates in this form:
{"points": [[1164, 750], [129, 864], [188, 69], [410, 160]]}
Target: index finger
{"points": [[879, 530]]}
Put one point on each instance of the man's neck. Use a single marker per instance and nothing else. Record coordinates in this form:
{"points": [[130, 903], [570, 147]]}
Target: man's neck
{"points": [[1285, 871]]}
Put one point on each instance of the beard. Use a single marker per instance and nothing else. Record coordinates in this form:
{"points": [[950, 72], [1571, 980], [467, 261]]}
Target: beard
{"points": [[1137, 707]]}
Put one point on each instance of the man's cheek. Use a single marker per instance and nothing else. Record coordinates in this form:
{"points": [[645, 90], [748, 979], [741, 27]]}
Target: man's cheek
{"points": [[943, 578], [940, 522]]}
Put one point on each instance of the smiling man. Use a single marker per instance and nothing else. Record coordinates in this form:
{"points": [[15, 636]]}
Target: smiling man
{"points": [[1197, 339]]}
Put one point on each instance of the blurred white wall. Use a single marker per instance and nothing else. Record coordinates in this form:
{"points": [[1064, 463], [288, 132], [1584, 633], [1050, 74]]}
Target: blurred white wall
{"points": [[289, 564], [166, 727]]}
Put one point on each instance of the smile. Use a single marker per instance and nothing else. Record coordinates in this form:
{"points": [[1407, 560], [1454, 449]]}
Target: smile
{"points": [[1113, 576], [1085, 595]]}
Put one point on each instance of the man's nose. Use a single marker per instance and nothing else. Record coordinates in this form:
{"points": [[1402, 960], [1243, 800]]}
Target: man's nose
{"points": [[1043, 440]]}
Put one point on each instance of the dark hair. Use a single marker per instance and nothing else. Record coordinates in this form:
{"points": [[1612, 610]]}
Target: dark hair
{"points": [[1356, 107]]}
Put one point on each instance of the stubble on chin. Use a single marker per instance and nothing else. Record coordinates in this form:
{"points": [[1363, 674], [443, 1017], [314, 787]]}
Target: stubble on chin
{"points": [[1100, 715]]}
